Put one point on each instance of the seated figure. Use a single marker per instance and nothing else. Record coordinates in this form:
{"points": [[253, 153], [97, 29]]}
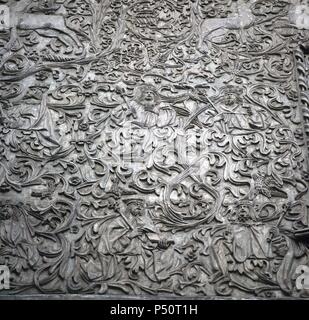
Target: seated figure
{"points": [[148, 111]]}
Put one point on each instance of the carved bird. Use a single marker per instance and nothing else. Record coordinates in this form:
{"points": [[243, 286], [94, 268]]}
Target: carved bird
{"points": [[266, 185]]}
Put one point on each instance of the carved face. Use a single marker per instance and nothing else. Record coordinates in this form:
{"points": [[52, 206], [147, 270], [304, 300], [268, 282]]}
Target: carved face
{"points": [[6, 211], [147, 96], [231, 96], [228, 236], [280, 247], [244, 209], [136, 208], [243, 212]]}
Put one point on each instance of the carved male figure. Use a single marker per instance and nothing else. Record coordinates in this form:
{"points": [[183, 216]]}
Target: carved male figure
{"points": [[237, 118], [148, 111], [124, 242]]}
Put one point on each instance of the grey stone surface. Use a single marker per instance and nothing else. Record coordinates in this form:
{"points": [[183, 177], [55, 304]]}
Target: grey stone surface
{"points": [[154, 149]]}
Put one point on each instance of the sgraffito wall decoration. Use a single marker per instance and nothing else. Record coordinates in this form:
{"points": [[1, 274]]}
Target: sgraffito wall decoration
{"points": [[154, 147]]}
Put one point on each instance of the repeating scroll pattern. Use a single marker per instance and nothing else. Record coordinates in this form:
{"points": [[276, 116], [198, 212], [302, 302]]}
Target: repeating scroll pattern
{"points": [[153, 147]]}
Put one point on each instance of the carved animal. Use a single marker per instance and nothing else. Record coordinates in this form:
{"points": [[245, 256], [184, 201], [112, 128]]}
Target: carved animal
{"points": [[51, 25]]}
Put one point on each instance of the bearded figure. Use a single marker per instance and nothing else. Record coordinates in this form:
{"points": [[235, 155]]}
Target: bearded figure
{"points": [[236, 117], [242, 249], [148, 111], [125, 246], [145, 125]]}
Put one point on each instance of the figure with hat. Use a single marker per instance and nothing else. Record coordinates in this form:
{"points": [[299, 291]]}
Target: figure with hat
{"points": [[240, 245], [127, 243], [237, 118], [147, 108], [145, 123]]}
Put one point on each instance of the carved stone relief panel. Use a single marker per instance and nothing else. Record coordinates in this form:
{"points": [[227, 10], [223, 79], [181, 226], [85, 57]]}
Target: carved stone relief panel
{"points": [[154, 147]]}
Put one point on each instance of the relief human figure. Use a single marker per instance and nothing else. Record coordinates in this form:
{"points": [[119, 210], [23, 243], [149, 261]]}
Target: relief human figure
{"points": [[289, 255], [148, 111], [144, 122], [237, 118], [242, 245], [264, 252], [125, 246], [17, 245]]}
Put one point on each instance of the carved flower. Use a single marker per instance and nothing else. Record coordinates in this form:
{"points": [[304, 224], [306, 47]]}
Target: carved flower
{"points": [[157, 80], [83, 126], [41, 75], [113, 205], [238, 80], [87, 84], [81, 159], [191, 254], [75, 181], [56, 74], [33, 55]]}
